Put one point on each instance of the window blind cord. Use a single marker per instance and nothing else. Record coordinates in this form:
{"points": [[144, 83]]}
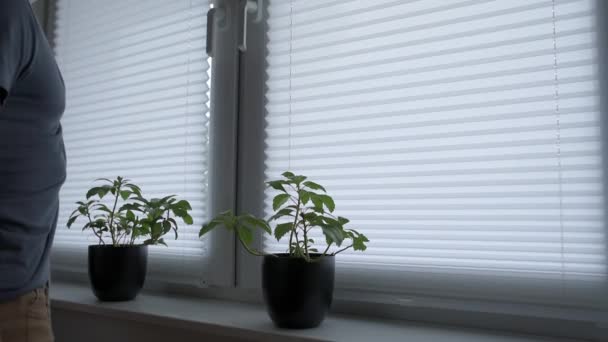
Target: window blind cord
{"points": [[290, 78], [558, 147], [186, 118]]}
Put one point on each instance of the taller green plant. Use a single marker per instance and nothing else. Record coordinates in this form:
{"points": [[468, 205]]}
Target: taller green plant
{"points": [[300, 207], [129, 215]]}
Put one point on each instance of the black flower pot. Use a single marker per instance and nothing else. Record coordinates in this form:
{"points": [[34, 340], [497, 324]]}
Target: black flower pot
{"points": [[297, 293], [117, 273]]}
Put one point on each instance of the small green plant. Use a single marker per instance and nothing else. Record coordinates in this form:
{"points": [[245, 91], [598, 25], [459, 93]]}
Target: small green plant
{"points": [[130, 217], [300, 207]]}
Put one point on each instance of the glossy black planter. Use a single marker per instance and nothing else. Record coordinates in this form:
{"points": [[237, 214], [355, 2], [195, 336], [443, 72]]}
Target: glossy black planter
{"points": [[117, 273], [297, 293]]}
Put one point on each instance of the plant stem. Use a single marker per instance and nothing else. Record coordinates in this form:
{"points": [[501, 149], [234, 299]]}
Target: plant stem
{"points": [[133, 234], [101, 242], [298, 252], [343, 249], [307, 256], [326, 249], [112, 215], [295, 222], [249, 249]]}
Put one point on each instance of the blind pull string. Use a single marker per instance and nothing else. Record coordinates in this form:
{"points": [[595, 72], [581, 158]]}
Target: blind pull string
{"points": [[290, 74], [558, 146]]}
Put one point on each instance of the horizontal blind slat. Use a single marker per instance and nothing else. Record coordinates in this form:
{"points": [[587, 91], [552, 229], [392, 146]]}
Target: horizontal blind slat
{"points": [[137, 106], [462, 138]]}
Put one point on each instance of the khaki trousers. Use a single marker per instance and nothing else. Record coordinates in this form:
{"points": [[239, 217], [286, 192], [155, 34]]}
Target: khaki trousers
{"points": [[26, 318]]}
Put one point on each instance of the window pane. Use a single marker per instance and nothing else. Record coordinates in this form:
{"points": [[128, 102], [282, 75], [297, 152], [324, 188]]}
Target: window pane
{"points": [[136, 74], [463, 138]]}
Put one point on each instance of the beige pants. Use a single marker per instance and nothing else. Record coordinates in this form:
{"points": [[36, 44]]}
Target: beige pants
{"points": [[27, 318]]}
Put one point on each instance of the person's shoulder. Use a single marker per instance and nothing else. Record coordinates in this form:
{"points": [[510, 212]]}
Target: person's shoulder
{"points": [[15, 16], [12, 10]]}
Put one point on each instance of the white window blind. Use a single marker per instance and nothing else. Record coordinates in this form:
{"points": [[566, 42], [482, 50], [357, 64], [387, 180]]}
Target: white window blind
{"points": [[136, 74], [462, 137]]}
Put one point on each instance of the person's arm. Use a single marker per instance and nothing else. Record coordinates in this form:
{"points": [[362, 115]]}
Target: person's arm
{"points": [[14, 44]]}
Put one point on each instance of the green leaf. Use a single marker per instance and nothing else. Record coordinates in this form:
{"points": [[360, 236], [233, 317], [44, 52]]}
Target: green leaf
{"points": [[281, 229], [136, 190], [359, 243], [157, 229], [279, 200], [310, 216], [102, 207], [103, 190], [144, 229], [333, 234], [288, 174], [256, 222], [71, 221], [166, 226], [75, 212], [330, 221], [281, 213], [188, 219], [125, 194], [229, 221], [317, 201], [244, 234], [209, 227], [314, 186], [130, 215], [161, 241], [180, 212], [329, 202], [166, 198], [130, 206], [184, 205], [92, 192], [298, 179], [277, 185], [141, 199], [358, 239], [304, 196], [343, 220]]}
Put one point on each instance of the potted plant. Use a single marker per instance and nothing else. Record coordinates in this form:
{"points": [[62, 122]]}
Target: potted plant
{"points": [[297, 285], [125, 226]]}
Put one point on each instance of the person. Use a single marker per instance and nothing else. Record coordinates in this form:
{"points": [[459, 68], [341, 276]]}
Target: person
{"points": [[32, 170]]}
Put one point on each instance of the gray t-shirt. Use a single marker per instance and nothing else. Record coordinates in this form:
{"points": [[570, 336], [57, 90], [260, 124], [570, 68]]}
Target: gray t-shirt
{"points": [[32, 155]]}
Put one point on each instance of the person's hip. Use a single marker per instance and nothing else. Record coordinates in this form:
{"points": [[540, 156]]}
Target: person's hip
{"points": [[27, 318]]}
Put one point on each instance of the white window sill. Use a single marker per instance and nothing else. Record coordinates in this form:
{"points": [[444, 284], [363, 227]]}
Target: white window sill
{"points": [[236, 319]]}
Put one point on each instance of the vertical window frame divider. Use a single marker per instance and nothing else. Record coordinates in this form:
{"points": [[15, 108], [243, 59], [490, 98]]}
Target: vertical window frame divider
{"points": [[602, 29], [224, 139], [250, 173]]}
